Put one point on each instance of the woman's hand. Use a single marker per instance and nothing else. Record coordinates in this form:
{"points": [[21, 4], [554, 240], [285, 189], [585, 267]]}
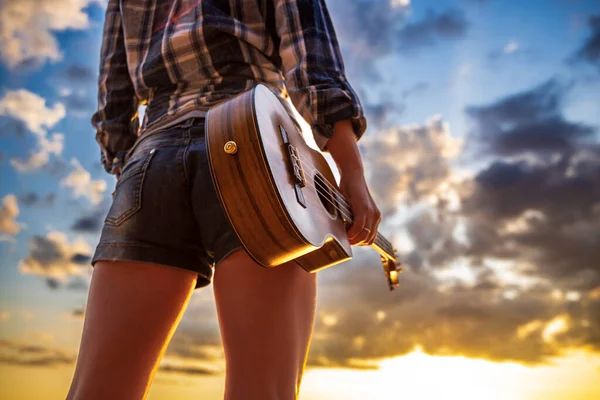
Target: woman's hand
{"points": [[344, 150], [366, 215]]}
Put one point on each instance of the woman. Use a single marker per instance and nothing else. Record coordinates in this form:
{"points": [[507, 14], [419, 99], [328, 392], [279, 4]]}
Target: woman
{"points": [[165, 232]]}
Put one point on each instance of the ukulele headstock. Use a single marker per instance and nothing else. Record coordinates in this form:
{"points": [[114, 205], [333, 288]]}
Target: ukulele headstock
{"points": [[391, 268]]}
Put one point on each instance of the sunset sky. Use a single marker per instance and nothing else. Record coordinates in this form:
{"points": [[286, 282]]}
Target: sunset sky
{"points": [[482, 151]]}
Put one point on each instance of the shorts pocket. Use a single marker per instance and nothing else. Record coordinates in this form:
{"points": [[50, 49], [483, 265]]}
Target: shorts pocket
{"points": [[128, 190]]}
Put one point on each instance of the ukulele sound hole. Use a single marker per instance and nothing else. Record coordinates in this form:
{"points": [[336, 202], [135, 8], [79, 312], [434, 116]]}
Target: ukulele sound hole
{"points": [[326, 196]]}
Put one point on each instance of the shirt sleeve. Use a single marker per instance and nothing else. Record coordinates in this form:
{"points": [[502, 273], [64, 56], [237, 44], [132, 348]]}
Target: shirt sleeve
{"points": [[313, 68], [116, 120]]}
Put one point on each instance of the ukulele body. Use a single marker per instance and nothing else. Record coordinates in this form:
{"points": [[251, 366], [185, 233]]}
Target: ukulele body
{"points": [[279, 194]]}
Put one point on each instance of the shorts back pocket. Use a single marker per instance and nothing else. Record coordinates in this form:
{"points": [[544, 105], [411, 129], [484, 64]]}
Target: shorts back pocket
{"points": [[128, 190]]}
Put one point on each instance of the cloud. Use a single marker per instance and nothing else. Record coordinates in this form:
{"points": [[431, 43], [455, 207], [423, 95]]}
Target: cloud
{"points": [[41, 156], [79, 74], [89, 223], [530, 121], [590, 51], [54, 258], [77, 314], [30, 109], [386, 31], [82, 185], [28, 27], [188, 370], [476, 320], [14, 352], [502, 265], [9, 211], [433, 29], [31, 199], [415, 89], [511, 47], [408, 162]]}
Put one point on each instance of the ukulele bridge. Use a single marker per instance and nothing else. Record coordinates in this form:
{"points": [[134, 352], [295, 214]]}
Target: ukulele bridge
{"points": [[296, 165], [294, 158]]}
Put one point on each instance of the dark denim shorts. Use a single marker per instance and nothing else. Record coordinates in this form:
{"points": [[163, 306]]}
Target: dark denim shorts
{"points": [[165, 209]]}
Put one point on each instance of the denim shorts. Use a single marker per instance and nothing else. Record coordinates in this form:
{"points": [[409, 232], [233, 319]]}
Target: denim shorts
{"points": [[165, 209]]}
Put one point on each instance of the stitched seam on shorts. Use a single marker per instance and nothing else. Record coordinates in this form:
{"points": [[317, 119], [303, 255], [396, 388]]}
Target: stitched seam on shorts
{"points": [[110, 244], [137, 193], [183, 160]]}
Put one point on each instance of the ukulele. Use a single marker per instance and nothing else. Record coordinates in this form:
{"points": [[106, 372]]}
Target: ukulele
{"points": [[279, 194]]}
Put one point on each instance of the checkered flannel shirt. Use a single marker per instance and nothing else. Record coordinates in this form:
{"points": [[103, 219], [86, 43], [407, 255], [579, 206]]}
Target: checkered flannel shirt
{"points": [[180, 55]]}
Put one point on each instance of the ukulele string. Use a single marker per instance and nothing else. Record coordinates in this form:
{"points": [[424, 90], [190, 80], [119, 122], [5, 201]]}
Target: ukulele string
{"points": [[345, 207], [326, 197], [388, 248], [328, 185]]}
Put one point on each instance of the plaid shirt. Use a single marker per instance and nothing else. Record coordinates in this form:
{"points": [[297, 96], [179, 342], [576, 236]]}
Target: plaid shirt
{"points": [[176, 56]]}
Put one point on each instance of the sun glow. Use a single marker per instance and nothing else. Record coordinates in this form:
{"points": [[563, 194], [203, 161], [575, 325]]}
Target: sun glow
{"points": [[432, 377], [418, 376]]}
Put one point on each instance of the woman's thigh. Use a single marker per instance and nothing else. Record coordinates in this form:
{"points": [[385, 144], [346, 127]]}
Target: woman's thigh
{"points": [[266, 319], [132, 311]]}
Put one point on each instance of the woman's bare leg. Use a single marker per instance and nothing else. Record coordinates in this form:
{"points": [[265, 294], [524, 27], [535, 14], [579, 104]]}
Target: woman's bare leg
{"points": [[133, 309], [266, 319]]}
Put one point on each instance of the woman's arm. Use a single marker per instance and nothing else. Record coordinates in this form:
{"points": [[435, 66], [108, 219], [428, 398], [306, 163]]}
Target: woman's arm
{"points": [[314, 75], [116, 120]]}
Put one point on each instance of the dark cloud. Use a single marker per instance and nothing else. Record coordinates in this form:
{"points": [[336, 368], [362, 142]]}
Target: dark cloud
{"points": [[417, 88], [590, 51], [533, 213], [475, 320], [52, 283], [541, 209], [10, 126], [89, 223], [16, 353], [530, 121], [79, 74], [374, 31], [557, 238], [34, 199], [44, 250], [80, 258], [54, 258], [433, 29], [381, 115], [78, 284], [384, 30], [80, 103], [189, 370]]}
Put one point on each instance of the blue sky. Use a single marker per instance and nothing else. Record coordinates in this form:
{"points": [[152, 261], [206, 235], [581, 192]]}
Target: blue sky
{"points": [[413, 63]]}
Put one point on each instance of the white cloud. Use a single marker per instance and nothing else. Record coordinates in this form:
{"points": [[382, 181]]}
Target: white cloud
{"points": [[39, 158], [80, 181], [27, 28], [31, 109], [54, 257], [410, 161], [400, 3], [9, 211], [511, 47]]}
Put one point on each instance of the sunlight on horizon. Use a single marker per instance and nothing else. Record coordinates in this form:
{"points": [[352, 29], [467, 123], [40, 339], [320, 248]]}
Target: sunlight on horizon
{"points": [[418, 376], [415, 376]]}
